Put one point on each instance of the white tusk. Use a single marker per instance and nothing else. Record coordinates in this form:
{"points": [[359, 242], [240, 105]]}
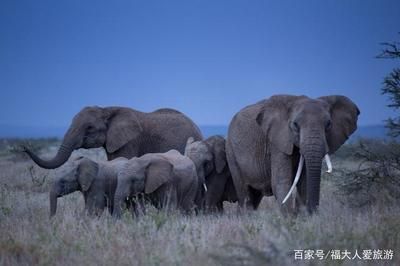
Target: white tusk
{"points": [[205, 186], [296, 178], [328, 163]]}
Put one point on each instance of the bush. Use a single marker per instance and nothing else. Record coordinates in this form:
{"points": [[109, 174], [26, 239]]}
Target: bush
{"points": [[376, 178]]}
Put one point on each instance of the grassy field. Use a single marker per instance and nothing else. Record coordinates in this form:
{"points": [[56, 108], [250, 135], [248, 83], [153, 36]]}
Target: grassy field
{"points": [[262, 237]]}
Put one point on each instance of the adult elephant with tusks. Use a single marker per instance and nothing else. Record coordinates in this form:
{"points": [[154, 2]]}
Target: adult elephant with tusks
{"points": [[123, 132], [279, 143]]}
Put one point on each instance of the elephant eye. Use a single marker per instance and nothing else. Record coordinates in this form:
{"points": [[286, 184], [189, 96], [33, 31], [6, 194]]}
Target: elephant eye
{"points": [[328, 125], [208, 165], [295, 127]]}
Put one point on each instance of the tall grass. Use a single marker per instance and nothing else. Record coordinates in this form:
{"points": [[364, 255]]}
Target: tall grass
{"points": [[262, 237]]}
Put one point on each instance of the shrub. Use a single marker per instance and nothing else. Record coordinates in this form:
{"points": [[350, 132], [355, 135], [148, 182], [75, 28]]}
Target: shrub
{"points": [[376, 177]]}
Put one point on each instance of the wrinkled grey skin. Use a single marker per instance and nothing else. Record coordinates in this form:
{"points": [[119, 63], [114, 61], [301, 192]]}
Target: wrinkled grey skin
{"points": [[123, 132], [265, 141], [165, 179], [96, 180], [209, 158]]}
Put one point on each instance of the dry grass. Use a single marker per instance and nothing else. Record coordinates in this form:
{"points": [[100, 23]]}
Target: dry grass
{"points": [[262, 237]]}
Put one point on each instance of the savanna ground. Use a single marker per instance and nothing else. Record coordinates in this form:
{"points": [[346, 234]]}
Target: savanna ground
{"points": [[359, 210]]}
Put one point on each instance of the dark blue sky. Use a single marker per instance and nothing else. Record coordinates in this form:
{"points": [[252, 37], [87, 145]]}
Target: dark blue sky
{"points": [[206, 58]]}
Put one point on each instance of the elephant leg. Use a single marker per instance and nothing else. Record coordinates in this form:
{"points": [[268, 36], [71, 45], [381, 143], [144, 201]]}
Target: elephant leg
{"points": [[220, 206], [187, 202], [255, 197], [186, 206], [136, 206], [165, 197], [95, 203], [236, 176], [173, 199], [142, 204], [110, 203], [215, 192], [110, 208], [281, 178]]}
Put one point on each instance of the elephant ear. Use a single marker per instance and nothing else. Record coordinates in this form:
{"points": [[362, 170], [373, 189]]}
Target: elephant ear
{"points": [[273, 118], [87, 173], [123, 126], [219, 154], [189, 141], [344, 114], [157, 173]]}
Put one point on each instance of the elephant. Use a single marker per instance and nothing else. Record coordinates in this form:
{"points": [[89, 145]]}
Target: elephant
{"points": [[96, 180], [266, 141], [209, 157], [167, 180], [123, 132]]}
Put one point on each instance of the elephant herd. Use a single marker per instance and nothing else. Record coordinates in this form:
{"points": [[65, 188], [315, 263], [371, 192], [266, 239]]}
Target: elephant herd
{"points": [[272, 147]]}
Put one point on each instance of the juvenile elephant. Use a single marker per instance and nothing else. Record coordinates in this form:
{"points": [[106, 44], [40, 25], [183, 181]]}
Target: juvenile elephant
{"points": [[96, 180], [209, 158], [267, 140], [165, 179], [123, 132]]}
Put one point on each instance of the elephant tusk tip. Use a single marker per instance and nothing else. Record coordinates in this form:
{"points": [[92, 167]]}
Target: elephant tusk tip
{"points": [[286, 198], [328, 163]]}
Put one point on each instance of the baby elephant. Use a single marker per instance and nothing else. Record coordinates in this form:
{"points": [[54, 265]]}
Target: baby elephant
{"points": [[209, 158], [165, 179], [97, 182]]}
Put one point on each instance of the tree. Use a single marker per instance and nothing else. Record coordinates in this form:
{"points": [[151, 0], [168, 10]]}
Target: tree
{"points": [[391, 85]]}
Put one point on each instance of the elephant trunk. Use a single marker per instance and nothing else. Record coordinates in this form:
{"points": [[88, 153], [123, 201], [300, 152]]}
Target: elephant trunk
{"points": [[70, 141], [64, 152], [313, 171], [53, 202], [119, 203], [200, 198]]}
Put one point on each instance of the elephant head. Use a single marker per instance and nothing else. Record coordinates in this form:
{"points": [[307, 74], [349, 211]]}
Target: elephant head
{"points": [[94, 127], [209, 158], [80, 178], [201, 155], [208, 155], [311, 127], [140, 176]]}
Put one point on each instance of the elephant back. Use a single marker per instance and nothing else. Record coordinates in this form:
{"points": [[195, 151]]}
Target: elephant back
{"points": [[167, 111]]}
